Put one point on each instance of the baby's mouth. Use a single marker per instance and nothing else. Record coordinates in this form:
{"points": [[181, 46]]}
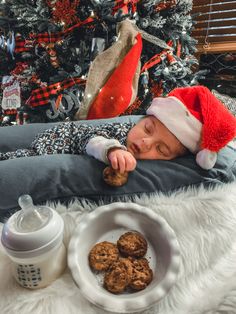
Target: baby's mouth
{"points": [[135, 148]]}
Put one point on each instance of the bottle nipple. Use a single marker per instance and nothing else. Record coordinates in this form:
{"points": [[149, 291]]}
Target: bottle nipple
{"points": [[31, 217]]}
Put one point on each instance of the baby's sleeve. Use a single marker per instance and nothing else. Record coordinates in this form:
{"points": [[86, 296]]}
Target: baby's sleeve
{"points": [[96, 141], [99, 146]]}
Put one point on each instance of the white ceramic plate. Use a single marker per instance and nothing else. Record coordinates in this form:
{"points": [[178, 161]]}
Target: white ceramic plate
{"points": [[107, 223]]}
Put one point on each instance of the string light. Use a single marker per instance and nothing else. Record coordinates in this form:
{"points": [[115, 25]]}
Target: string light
{"points": [[207, 44]]}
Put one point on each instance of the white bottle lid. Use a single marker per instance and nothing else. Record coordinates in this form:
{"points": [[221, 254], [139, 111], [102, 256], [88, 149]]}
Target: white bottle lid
{"points": [[32, 231]]}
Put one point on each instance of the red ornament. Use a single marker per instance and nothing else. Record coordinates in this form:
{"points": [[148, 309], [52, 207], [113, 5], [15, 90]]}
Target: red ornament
{"points": [[52, 54]]}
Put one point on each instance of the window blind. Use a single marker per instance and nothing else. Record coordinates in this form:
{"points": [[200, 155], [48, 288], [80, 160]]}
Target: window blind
{"points": [[215, 27]]}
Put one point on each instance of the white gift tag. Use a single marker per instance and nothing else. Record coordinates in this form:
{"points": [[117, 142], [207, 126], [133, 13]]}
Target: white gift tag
{"points": [[11, 93]]}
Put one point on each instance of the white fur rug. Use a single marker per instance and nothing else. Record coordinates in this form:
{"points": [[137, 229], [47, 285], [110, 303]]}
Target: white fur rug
{"points": [[205, 225]]}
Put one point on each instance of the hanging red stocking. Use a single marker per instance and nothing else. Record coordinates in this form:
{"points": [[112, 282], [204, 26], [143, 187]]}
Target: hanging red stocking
{"points": [[115, 96]]}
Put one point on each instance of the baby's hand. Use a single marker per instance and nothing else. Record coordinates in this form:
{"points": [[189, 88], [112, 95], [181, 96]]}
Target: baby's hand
{"points": [[121, 160]]}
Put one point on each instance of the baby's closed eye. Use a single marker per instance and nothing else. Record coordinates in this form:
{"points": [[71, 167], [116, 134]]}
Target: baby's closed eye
{"points": [[163, 149], [148, 128]]}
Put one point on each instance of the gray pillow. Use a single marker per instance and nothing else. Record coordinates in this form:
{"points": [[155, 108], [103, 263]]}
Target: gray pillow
{"points": [[64, 177], [14, 137]]}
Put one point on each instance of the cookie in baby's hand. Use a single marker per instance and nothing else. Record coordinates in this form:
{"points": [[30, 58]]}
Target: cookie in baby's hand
{"points": [[114, 177]]}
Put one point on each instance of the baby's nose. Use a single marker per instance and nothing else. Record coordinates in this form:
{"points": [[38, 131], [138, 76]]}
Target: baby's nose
{"points": [[146, 144]]}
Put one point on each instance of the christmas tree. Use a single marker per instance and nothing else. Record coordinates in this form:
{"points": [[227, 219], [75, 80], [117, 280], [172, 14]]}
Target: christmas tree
{"points": [[47, 47]]}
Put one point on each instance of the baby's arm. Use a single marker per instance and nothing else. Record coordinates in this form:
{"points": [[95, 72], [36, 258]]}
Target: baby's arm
{"points": [[106, 144], [111, 151]]}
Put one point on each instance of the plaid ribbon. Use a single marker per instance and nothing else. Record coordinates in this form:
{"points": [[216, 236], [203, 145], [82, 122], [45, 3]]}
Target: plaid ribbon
{"points": [[20, 67], [45, 38], [40, 96], [10, 112], [155, 59]]}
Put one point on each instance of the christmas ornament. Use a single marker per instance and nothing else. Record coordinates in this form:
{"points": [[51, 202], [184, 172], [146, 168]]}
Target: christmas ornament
{"points": [[11, 93], [11, 44], [63, 106], [64, 11], [52, 53]]}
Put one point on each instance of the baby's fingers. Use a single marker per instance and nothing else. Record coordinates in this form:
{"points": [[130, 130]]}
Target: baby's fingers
{"points": [[114, 162], [130, 164], [121, 164]]}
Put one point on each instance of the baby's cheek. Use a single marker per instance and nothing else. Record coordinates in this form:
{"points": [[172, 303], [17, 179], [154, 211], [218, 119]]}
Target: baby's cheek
{"points": [[152, 154]]}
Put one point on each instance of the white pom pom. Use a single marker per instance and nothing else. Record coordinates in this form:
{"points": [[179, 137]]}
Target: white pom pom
{"points": [[206, 159]]}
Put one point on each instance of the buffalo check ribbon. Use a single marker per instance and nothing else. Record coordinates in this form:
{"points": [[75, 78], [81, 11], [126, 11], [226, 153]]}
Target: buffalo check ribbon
{"points": [[40, 96], [23, 45]]}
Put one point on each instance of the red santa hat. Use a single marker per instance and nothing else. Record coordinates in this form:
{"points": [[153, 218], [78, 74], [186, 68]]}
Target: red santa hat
{"points": [[198, 120]]}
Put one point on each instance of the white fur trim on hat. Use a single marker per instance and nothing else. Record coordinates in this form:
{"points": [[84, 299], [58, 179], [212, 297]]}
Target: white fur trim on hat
{"points": [[206, 159], [179, 120]]}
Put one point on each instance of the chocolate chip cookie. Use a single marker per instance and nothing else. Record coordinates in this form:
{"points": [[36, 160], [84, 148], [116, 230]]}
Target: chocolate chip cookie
{"points": [[133, 244], [102, 255], [118, 276], [141, 274]]}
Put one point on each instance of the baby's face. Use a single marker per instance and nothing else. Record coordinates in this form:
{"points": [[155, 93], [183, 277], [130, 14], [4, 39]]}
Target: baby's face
{"points": [[150, 139]]}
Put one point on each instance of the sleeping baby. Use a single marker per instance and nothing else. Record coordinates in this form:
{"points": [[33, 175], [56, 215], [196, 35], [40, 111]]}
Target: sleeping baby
{"points": [[190, 119]]}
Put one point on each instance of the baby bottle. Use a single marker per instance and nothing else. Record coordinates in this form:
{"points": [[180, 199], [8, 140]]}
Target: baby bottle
{"points": [[33, 240]]}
